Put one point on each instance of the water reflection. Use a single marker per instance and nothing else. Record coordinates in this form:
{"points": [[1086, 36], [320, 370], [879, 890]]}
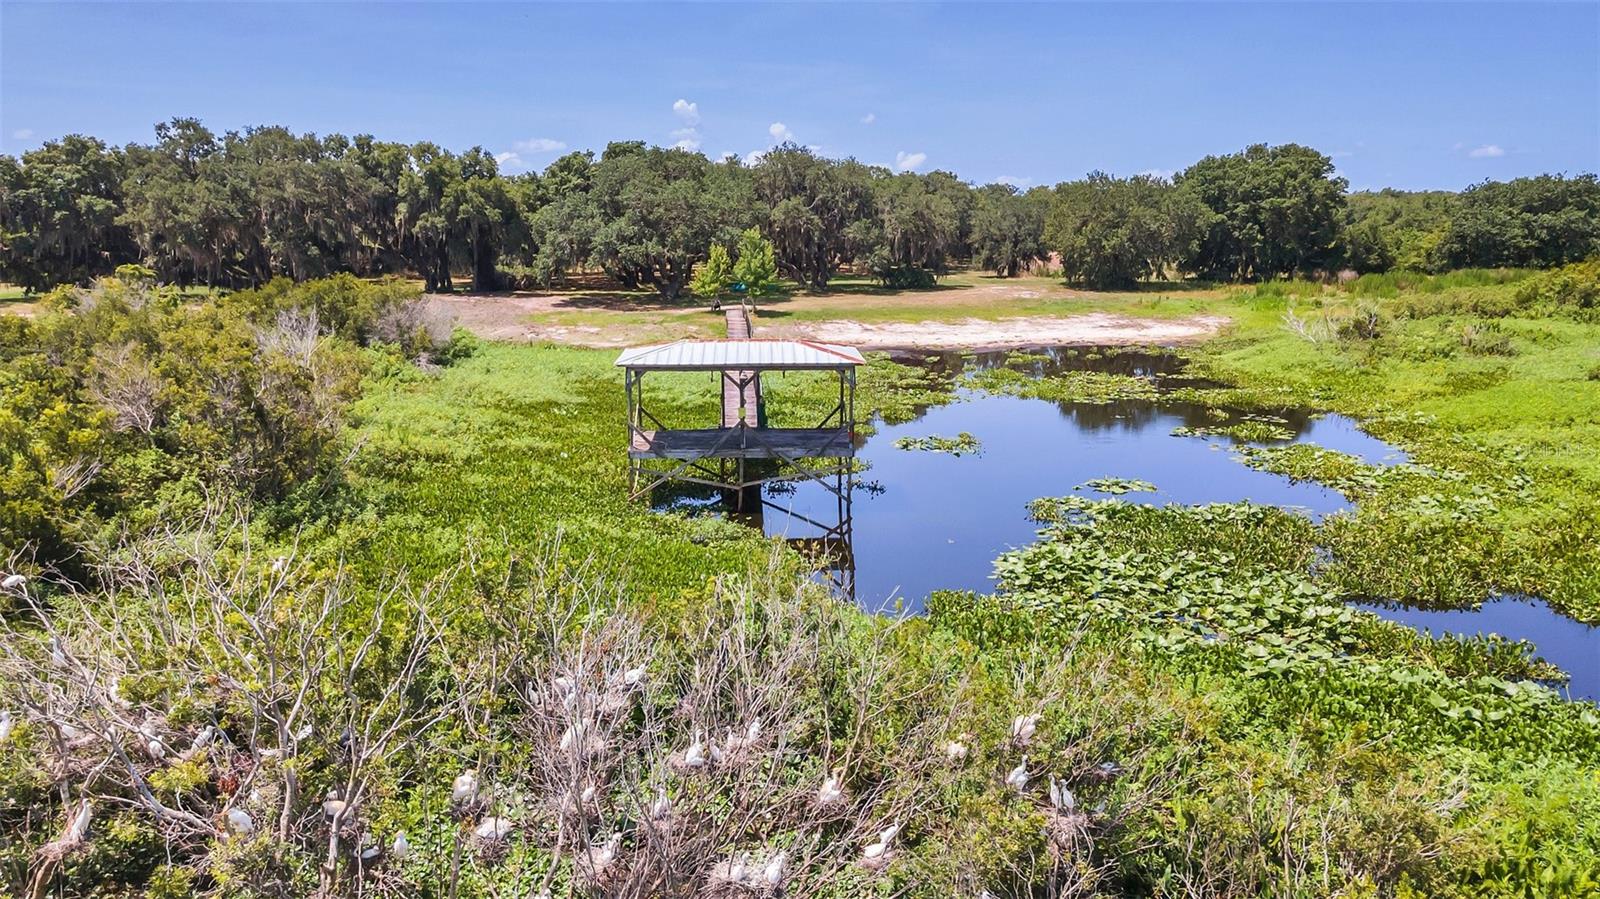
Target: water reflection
{"points": [[935, 521]]}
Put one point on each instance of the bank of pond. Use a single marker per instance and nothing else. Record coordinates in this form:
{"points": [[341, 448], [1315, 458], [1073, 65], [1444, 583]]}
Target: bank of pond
{"points": [[1020, 445]]}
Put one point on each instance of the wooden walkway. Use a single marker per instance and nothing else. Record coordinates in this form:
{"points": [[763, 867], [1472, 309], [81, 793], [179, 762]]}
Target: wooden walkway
{"points": [[740, 389], [749, 443]]}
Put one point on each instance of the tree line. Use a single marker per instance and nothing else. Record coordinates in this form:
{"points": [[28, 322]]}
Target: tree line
{"points": [[238, 209]]}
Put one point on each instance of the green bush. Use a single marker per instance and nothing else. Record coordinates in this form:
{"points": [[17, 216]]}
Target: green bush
{"points": [[1572, 290]]}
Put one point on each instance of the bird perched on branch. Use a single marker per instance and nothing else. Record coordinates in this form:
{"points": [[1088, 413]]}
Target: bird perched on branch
{"points": [[1018, 778], [877, 855], [1023, 727], [831, 794], [693, 759]]}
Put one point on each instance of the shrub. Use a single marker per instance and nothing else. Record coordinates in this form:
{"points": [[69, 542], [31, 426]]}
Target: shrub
{"points": [[904, 277], [1572, 290]]}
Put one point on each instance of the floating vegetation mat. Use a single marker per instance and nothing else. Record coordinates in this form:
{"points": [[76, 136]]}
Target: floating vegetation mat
{"points": [[1117, 486], [963, 444]]}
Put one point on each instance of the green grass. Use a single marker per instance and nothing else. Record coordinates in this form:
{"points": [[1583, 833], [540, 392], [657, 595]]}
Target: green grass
{"points": [[1523, 422]]}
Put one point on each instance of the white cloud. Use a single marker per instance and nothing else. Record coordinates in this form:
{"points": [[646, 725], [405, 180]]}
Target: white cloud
{"points": [[905, 162], [22, 133], [540, 145], [1487, 151], [689, 112], [754, 156], [1014, 180], [780, 132], [687, 139], [509, 160], [869, 118], [1158, 173]]}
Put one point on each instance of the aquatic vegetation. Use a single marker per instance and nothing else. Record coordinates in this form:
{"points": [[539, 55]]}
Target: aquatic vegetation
{"points": [[1116, 486], [1249, 431], [1214, 588], [1067, 387], [963, 444], [1308, 462]]}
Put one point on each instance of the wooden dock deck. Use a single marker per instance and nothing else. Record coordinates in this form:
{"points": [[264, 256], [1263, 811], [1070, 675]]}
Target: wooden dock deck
{"points": [[743, 443], [741, 390]]}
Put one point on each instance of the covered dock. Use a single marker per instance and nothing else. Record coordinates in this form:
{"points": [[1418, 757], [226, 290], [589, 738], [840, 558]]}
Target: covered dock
{"points": [[742, 433]]}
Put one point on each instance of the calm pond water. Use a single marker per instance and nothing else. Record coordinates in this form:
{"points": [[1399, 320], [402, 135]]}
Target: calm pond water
{"points": [[925, 521]]}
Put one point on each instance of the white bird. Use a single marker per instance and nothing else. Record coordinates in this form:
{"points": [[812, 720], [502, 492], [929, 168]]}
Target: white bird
{"points": [[14, 581], [955, 751], [240, 822], [304, 733], [738, 869], [601, 858], [255, 796], [695, 756], [156, 748], [401, 847], [79, 828], [201, 740], [832, 790], [564, 685], [572, 736], [776, 867], [370, 853], [1018, 778], [1023, 728], [662, 807], [493, 828], [737, 744], [633, 677], [877, 854], [58, 653], [1061, 798], [465, 787], [6, 726], [332, 806], [279, 564]]}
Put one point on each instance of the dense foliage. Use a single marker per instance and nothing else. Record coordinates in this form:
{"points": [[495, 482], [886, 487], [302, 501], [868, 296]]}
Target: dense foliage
{"points": [[122, 404], [1113, 232], [238, 209]]}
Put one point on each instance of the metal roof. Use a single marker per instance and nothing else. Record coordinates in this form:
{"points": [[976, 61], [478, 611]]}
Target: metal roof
{"points": [[697, 355]]}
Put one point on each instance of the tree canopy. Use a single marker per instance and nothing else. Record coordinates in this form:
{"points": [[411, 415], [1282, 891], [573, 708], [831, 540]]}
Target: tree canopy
{"points": [[238, 209], [1275, 211]]}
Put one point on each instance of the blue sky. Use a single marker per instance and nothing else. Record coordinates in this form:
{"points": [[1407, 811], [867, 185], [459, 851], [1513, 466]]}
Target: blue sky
{"points": [[1405, 95]]}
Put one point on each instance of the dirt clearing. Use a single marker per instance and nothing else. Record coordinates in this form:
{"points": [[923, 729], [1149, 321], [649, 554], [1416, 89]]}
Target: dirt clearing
{"points": [[1006, 333]]}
